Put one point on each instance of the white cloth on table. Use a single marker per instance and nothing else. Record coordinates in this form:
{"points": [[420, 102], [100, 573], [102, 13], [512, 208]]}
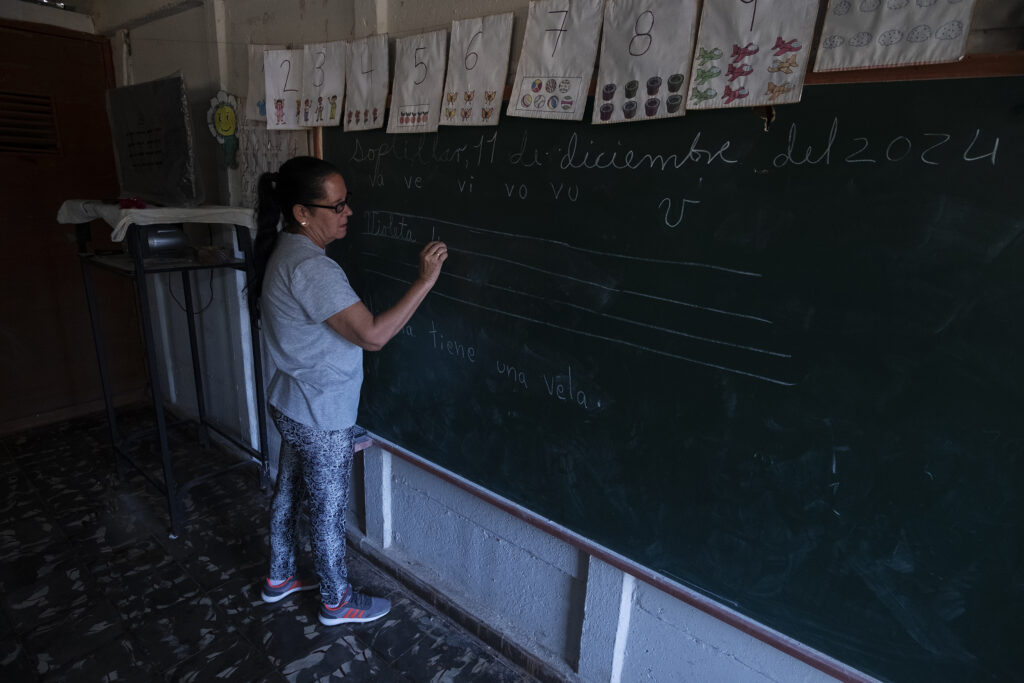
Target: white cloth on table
{"points": [[85, 210]]}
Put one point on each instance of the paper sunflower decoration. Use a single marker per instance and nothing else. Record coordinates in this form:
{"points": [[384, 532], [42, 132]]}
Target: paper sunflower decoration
{"points": [[223, 121]]}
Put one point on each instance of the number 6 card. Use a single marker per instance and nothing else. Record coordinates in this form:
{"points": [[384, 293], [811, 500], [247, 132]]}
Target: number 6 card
{"points": [[557, 60], [419, 77], [477, 64]]}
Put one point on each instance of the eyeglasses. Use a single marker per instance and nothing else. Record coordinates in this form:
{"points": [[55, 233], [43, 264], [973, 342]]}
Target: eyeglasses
{"points": [[336, 208]]}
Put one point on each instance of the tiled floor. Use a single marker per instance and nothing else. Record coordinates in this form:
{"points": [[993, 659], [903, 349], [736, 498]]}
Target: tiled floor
{"points": [[94, 590]]}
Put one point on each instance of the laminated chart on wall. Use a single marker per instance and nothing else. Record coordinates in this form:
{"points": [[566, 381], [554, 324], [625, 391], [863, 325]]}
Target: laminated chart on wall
{"points": [[477, 64], [645, 58], [557, 60], [866, 33], [255, 99], [419, 79], [282, 70], [751, 53], [323, 83], [366, 83]]}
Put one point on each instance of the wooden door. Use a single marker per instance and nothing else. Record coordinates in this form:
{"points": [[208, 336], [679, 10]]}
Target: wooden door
{"points": [[55, 145]]}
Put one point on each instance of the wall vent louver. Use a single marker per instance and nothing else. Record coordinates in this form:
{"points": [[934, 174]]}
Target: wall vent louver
{"points": [[27, 124]]}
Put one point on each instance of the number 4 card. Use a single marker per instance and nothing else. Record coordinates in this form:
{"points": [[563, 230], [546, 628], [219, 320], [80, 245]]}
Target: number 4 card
{"points": [[751, 52], [282, 70], [366, 87], [557, 60], [645, 56], [477, 64], [419, 77]]}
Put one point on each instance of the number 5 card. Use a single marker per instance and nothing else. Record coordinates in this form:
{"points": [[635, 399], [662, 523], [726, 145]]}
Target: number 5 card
{"points": [[282, 70], [366, 87], [419, 77], [557, 60], [477, 64]]}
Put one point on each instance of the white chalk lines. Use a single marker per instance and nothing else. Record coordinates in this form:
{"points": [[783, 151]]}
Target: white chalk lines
{"points": [[410, 223]]}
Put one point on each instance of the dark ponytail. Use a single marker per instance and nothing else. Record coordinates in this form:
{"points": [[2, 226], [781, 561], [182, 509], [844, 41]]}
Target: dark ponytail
{"points": [[299, 181]]}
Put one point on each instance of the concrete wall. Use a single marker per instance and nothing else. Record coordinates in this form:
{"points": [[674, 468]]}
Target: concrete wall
{"points": [[585, 619]]}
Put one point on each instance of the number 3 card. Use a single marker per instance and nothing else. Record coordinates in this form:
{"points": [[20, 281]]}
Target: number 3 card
{"points": [[557, 60], [323, 85], [283, 72], [366, 87], [477, 64], [645, 56], [419, 77], [751, 53]]}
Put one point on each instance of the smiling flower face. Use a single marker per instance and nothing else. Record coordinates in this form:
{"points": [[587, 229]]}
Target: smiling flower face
{"points": [[222, 116]]}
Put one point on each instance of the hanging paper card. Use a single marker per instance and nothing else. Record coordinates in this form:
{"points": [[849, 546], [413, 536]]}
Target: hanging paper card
{"points": [[366, 87], [751, 52], [255, 99], [557, 60], [645, 56], [477, 64], [419, 78], [323, 83], [283, 79], [866, 33]]}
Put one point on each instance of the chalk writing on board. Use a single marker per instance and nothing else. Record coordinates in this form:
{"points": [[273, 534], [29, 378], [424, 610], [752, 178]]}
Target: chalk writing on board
{"points": [[896, 149], [390, 226], [452, 347], [612, 320], [574, 158]]}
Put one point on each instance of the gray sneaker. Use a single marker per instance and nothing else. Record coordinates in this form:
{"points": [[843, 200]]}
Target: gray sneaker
{"points": [[354, 608], [274, 592]]}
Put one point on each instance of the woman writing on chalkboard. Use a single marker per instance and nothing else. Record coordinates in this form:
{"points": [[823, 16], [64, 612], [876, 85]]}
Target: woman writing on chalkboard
{"points": [[316, 328]]}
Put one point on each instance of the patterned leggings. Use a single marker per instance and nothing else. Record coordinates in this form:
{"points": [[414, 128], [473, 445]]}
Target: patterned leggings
{"points": [[323, 460]]}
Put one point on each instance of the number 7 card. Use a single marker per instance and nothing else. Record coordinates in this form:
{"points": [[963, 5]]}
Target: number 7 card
{"points": [[557, 60]]}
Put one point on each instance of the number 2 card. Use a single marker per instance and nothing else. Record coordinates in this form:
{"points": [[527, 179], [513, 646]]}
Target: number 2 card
{"points": [[282, 70]]}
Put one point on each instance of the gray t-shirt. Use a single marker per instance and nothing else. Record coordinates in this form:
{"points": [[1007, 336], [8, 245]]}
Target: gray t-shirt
{"points": [[319, 372]]}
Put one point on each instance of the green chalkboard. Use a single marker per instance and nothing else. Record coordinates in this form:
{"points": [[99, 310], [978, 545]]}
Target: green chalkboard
{"points": [[781, 366]]}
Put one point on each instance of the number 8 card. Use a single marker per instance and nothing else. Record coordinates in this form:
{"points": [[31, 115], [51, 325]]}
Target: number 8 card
{"points": [[645, 56]]}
